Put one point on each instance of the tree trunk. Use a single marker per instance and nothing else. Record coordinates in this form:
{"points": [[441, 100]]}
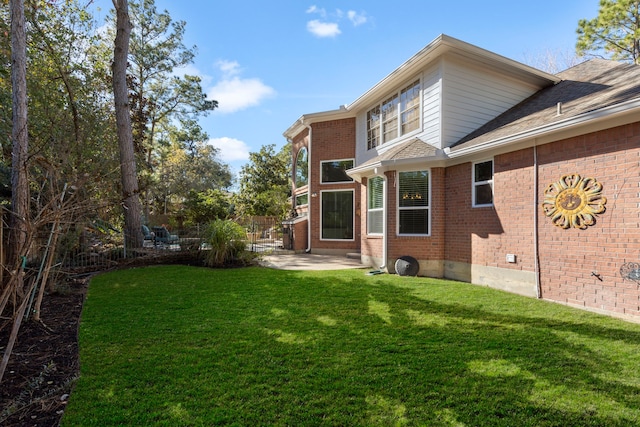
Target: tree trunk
{"points": [[129, 178], [19, 185]]}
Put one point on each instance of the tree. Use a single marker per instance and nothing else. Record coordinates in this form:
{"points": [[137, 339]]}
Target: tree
{"points": [[614, 33], [205, 206], [553, 61], [186, 164], [264, 183], [159, 96], [129, 178], [19, 137]]}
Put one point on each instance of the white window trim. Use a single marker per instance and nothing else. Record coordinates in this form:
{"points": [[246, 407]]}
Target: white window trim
{"points": [[295, 169], [474, 184], [295, 199], [335, 182], [428, 207], [353, 204], [397, 93], [384, 199]]}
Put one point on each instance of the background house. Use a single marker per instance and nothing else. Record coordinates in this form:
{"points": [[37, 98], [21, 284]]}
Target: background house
{"points": [[484, 170]]}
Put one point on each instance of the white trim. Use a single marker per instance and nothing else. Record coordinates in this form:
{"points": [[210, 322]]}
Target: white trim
{"points": [[295, 168], [295, 200], [427, 208], [398, 116], [353, 211], [382, 209], [475, 184]]}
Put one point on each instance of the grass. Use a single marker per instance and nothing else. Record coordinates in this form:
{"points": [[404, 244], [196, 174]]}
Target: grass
{"points": [[184, 346]]}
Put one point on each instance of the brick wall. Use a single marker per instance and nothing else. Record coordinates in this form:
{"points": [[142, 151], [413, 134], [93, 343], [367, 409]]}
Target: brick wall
{"points": [[569, 257], [332, 140], [419, 247]]}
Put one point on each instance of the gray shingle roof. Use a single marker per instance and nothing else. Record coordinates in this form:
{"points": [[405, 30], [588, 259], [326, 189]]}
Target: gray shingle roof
{"points": [[414, 148], [587, 87]]}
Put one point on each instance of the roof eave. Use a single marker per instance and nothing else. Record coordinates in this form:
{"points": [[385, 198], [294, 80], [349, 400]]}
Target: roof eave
{"points": [[378, 168], [323, 116], [437, 48], [625, 112]]}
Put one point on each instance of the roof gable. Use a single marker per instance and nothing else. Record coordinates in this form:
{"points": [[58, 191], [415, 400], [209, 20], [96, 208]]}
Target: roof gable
{"points": [[591, 86]]}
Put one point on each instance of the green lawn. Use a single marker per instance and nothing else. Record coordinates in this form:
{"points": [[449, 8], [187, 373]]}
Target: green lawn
{"points": [[177, 345]]}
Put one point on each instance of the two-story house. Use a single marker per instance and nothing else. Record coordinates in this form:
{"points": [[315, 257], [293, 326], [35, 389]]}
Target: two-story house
{"points": [[484, 170]]}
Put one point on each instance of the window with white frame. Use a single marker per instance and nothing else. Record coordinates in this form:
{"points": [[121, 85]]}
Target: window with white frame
{"points": [[333, 171], [373, 127], [337, 216], [302, 199], [375, 205], [302, 168], [397, 115], [413, 203], [482, 193]]}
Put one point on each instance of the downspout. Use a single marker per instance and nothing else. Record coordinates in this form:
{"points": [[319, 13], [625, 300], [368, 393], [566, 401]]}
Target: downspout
{"points": [[385, 239], [309, 197], [385, 188], [536, 243]]}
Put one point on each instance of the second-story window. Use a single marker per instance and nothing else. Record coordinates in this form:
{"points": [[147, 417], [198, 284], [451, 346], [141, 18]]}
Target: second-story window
{"points": [[333, 171], [397, 115], [302, 168]]}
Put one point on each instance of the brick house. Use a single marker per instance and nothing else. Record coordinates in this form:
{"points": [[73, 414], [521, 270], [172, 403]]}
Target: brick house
{"points": [[483, 170]]}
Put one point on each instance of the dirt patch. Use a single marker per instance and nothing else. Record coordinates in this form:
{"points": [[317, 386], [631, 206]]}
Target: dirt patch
{"points": [[44, 363]]}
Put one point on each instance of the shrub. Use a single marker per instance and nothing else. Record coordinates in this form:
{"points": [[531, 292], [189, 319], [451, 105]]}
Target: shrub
{"points": [[225, 242]]}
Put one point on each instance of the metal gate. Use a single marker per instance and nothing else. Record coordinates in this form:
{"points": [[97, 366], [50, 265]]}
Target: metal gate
{"points": [[264, 234]]}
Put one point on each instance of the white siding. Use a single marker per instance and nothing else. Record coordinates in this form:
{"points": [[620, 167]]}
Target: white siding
{"points": [[472, 96], [457, 98], [431, 124], [431, 106], [362, 154]]}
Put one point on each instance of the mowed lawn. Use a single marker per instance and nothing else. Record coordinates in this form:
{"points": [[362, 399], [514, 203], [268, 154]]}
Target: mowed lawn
{"points": [[185, 346]]}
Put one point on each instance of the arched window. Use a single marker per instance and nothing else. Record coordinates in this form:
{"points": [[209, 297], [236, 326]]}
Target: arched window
{"points": [[302, 168]]}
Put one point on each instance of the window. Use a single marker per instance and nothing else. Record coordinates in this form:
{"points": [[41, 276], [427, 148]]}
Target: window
{"points": [[375, 205], [413, 202], [390, 119], [302, 168], [397, 115], [409, 108], [483, 183], [373, 128], [337, 215], [302, 199], [334, 171]]}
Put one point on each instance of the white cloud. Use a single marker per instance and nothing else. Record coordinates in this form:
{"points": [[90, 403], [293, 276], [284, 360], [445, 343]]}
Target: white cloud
{"points": [[323, 29], [316, 9], [356, 18], [229, 68], [230, 149], [234, 93], [329, 26]]}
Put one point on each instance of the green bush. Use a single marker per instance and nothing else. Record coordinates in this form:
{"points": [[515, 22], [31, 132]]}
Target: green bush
{"points": [[225, 242]]}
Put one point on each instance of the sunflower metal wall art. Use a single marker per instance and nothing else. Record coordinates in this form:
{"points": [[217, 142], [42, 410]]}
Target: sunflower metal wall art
{"points": [[574, 202]]}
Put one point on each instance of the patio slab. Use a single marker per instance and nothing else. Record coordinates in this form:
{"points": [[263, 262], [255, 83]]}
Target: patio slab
{"points": [[310, 262]]}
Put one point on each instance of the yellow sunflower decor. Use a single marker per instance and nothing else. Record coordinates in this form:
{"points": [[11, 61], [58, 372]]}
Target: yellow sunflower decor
{"points": [[574, 201]]}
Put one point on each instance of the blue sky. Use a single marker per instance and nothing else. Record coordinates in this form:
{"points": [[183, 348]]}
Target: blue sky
{"points": [[269, 62]]}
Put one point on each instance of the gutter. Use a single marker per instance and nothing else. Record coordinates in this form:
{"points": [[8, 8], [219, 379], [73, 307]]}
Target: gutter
{"points": [[308, 250]]}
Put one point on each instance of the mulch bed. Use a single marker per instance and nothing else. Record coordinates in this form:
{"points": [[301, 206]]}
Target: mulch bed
{"points": [[44, 362]]}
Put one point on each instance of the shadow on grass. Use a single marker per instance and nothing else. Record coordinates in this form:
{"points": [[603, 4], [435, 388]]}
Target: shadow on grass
{"points": [[266, 347], [455, 363]]}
